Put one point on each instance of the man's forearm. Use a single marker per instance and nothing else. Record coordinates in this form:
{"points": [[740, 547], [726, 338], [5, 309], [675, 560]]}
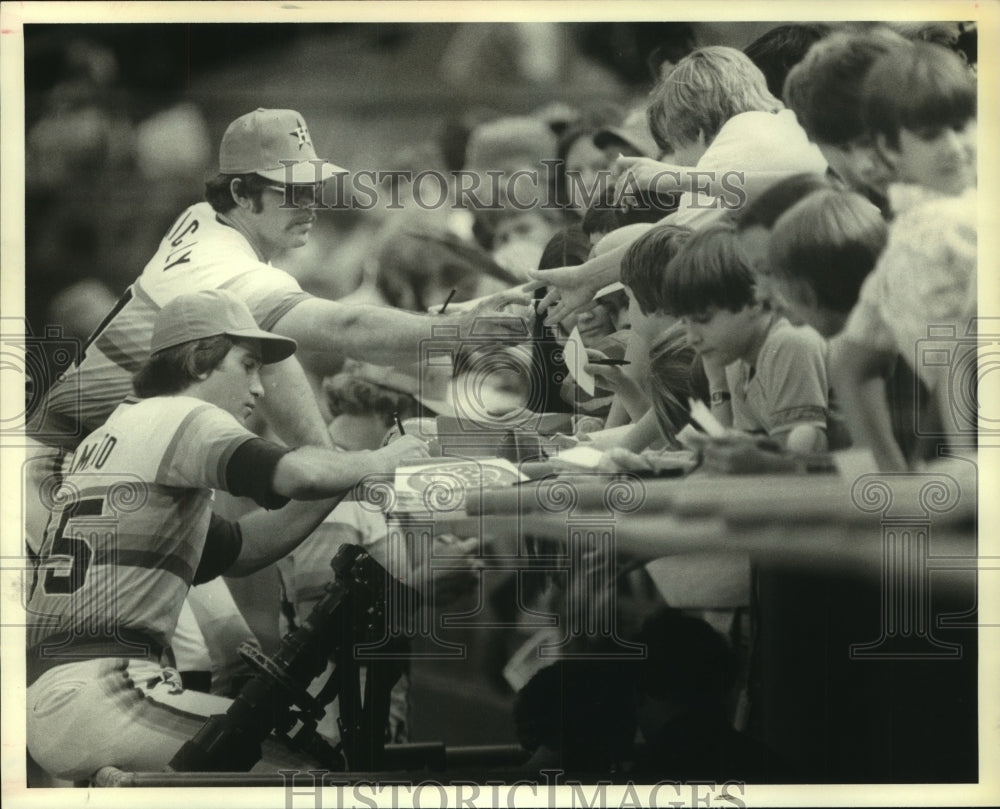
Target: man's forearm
{"points": [[290, 406], [375, 334], [385, 336], [312, 473], [270, 535]]}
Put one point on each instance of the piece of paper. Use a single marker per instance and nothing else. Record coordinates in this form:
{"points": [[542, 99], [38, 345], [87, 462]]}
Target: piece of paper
{"points": [[440, 485], [527, 661], [580, 456], [575, 353], [707, 422]]}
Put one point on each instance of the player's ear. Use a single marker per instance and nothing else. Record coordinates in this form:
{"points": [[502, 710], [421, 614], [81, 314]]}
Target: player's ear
{"points": [[237, 190]]}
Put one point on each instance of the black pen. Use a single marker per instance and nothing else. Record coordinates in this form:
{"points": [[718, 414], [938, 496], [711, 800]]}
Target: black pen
{"points": [[447, 301], [609, 361], [399, 424]]}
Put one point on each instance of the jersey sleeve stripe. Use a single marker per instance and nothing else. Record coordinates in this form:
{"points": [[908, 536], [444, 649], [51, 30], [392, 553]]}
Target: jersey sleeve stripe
{"points": [[282, 309], [148, 560], [140, 293], [128, 358], [171, 450], [286, 300]]}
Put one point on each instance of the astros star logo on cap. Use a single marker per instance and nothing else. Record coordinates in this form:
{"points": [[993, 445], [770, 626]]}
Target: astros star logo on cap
{"points": [[302, 133], [274, 144]]}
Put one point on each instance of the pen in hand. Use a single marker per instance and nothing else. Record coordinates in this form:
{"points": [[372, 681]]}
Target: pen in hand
{"points": [[447, 301], [399, 424], [608, 361]]}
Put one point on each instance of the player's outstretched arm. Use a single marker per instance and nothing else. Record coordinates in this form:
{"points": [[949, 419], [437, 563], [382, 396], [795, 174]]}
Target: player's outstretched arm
{"points": [[313, 473], [380, 334], [289, 404]]}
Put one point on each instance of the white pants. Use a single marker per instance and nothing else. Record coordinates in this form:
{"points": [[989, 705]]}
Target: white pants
{"points": [[130, 714]]}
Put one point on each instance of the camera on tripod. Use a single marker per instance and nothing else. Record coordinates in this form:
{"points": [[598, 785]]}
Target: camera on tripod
{"points": [[275, 700]]}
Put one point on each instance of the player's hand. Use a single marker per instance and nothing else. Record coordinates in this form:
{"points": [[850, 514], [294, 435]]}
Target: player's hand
{"points": [[400, 450], [508, 312], [570, 289]]}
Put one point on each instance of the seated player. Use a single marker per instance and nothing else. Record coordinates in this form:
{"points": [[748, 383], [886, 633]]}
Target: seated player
{"points": [[102, 689]]}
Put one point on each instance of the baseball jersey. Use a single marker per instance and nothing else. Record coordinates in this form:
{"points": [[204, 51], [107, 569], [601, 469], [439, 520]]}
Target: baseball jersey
{"points": [[134, 507], [786, 387], [198, 252]]}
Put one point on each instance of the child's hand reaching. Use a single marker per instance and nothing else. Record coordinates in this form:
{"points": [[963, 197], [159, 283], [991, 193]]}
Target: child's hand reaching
{"points": [[612, 376], [634, 399]]}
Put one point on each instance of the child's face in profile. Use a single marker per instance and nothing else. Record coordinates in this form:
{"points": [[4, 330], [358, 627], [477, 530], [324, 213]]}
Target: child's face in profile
{"points": [[721, 336], [942, 159], [593, 323]]}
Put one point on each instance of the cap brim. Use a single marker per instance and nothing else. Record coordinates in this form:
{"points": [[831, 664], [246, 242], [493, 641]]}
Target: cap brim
{"points": [[273, 347], [303, 173]]}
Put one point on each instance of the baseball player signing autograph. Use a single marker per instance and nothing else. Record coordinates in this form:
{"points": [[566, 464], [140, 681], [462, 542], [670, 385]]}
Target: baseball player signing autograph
{"points": [[133, 529], [263, 200]]}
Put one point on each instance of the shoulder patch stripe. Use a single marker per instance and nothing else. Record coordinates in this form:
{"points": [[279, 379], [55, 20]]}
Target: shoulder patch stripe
{"points": [[171, 450], [150, 560]]}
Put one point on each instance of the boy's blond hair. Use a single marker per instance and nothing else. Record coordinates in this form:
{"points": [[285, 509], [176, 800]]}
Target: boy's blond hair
{"points": [[706, 88]]}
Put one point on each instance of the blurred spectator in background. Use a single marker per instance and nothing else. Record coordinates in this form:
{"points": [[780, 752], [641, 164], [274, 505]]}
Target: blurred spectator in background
{"points": [[516, 237], [631, 138], [509, 144], [81, 129], [80, 307], [174, 144], [581, 161], [507, 54], [417, 271]]}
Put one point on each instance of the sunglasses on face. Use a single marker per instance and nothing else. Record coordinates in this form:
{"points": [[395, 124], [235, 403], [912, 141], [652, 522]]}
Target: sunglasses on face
{"points": [[300, 196]]}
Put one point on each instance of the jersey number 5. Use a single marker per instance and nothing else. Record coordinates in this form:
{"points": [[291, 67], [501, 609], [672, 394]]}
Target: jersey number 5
{"points": [[62, 578]]}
